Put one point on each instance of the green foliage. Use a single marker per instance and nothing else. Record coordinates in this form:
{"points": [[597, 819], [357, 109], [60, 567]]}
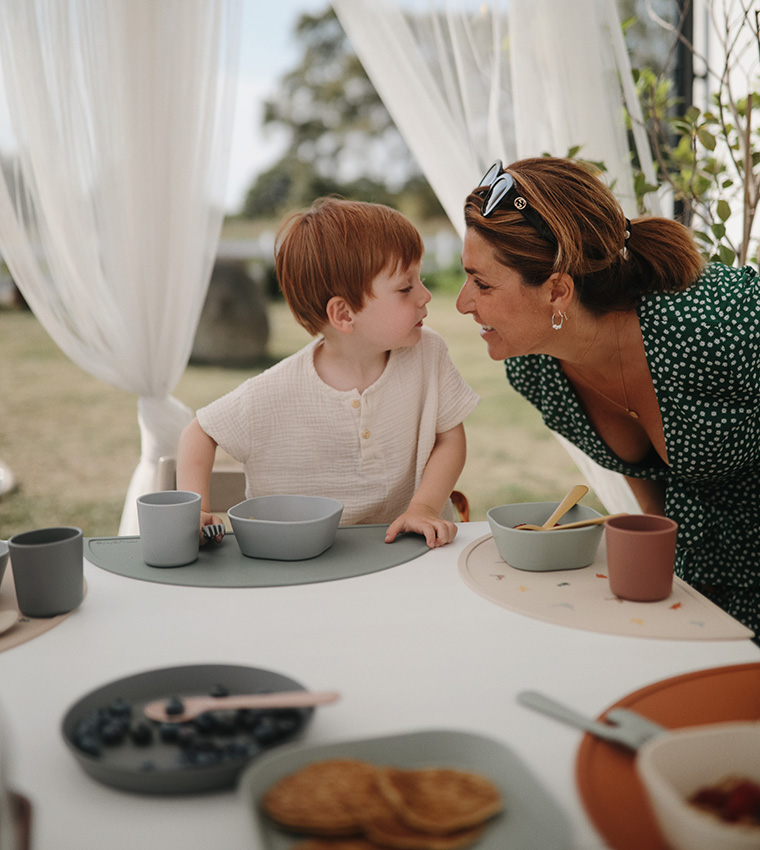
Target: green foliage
{"points": [[341, 139], [708, 159]]}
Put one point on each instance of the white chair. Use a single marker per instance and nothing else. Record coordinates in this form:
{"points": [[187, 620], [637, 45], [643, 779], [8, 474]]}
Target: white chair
{"points": [[227, 486], [226, 489]]}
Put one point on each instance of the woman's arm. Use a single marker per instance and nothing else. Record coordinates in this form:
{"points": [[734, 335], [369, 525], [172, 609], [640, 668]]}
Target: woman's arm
{"points": [[649, 494], [442, 470]]}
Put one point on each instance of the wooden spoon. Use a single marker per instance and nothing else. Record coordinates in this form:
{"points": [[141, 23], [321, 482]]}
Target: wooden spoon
{"points": [[574, 495], [582, 523], [193, 706]]}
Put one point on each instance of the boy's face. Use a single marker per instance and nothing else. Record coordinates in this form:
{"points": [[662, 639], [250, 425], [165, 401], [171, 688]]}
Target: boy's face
{"points": [[392, 316]]}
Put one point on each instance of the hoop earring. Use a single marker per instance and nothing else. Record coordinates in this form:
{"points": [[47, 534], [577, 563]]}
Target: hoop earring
{"points": [[558, 322]]}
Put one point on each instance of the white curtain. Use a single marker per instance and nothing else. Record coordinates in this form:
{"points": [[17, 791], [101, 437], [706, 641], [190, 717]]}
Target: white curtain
{"points": [[122, 113], [467, 82]]}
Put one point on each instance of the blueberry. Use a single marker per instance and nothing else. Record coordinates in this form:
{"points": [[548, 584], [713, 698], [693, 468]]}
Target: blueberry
{"points": [[169, 732], [141, 734], [113, 733], [88, 743], [265, 729], [174, 706], [245, 718], [288, 721], [219, 691], [120, 708], [225, 724], [206, 723], [186, 736]]}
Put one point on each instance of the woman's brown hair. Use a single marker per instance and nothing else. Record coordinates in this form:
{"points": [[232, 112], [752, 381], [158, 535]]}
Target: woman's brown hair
{"points": [[610, 271], [338, 247]]}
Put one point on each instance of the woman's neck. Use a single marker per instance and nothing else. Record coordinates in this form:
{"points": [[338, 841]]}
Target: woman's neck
{"points": [[593, 345]]}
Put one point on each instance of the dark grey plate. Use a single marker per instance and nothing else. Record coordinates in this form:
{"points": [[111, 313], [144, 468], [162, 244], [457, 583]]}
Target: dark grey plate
{"points": [[155, 769], [531, 818]]}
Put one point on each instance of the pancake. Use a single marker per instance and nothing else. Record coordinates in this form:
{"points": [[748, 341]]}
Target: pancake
{"points": [[439, 800], [317, 798]]}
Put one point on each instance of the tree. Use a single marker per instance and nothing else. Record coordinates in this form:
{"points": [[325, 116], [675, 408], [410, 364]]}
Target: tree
{"points": [[341, 138]]}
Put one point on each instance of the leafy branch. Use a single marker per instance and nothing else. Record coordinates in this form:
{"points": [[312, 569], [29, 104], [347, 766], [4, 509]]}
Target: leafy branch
{"points": [[709, 159]]}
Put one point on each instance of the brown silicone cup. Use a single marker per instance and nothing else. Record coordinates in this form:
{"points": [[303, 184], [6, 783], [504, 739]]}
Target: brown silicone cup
{"points": [[641, 552]]}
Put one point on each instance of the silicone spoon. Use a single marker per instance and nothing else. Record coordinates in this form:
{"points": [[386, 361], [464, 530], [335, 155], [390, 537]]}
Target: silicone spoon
{"points": [[582, 523], [625, 727], [193, 706], [8, 620], [574, 495]]}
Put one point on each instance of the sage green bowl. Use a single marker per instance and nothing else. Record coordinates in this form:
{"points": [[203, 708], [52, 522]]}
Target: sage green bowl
{"points": [[544, 551], [285, 527]]}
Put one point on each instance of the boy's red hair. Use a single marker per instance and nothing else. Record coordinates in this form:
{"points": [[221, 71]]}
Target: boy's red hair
{"points": [[337, 248]]}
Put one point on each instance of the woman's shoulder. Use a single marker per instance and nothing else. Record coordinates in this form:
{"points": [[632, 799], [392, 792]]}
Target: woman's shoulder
{"points": [[720, 294]]}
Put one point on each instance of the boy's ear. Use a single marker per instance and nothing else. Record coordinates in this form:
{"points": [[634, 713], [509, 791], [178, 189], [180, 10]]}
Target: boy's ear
{"points": [[340, 315], [561, 291]]}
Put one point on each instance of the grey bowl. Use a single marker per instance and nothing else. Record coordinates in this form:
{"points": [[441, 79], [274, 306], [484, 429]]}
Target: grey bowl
{"points": [[285, 528], [3, 558], [541, 551]]}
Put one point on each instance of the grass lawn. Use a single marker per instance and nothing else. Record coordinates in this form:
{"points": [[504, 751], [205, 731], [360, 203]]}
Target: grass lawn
{"points": [[73, 442]]}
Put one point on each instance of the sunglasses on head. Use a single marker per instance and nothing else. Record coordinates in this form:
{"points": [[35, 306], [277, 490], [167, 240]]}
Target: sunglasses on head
{"points": [[502, 192]]}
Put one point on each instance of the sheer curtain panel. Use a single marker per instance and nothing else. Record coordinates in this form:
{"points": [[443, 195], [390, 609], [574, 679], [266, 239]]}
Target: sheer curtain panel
{"points": [[122, 114], [467, 82]]}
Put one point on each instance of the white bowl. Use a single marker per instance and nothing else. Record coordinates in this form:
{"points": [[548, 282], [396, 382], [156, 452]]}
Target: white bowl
{"points": [[541, 551], [285, 527], [674, 766]]}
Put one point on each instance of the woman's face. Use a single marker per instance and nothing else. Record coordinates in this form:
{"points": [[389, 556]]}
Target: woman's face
{"points": [[514, 318]]}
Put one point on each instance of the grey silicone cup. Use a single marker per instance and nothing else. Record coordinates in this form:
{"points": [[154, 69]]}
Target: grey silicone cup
{"points": [[544, 551], [48, 570], [170, 522]]}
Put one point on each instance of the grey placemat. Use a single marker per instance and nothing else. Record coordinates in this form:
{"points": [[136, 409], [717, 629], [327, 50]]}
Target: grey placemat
{"points": [[357, 550]]}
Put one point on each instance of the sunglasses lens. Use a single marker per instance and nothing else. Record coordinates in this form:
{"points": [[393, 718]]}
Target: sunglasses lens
{"points": [[496, 194], [493, 172]]}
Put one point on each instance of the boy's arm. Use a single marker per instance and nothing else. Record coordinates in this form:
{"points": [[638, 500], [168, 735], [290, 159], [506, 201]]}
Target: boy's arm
{"points": [[442, 470], [195, 460]]}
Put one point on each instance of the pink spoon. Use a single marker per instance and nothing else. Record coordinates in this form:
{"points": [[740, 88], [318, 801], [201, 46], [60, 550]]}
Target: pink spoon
{"points": [[193, 706]]}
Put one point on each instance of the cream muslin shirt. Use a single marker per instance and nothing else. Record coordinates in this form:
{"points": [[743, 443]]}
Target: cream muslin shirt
{"points": [[295, 434]]}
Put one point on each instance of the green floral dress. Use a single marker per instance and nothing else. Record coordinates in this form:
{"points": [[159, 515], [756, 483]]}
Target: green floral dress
{"points": [[703, 350]]}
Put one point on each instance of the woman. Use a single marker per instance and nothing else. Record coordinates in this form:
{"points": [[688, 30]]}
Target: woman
{"points": [[633, 350]]}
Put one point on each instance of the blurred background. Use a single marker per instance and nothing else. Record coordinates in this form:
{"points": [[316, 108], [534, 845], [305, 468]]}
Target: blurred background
{"points": [[307, 122]]}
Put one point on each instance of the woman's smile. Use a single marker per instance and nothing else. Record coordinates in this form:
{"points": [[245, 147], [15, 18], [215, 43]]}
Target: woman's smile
{"points": [[513, 317]]}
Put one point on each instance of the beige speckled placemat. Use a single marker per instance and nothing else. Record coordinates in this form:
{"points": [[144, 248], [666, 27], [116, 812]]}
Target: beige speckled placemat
{"points": [[581, 599], [26, 628]]}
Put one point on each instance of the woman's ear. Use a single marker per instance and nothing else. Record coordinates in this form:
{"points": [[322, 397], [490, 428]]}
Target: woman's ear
{"points": [[561, 291], [339, 315]]}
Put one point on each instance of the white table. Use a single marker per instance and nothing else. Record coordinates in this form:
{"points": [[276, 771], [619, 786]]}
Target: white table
{"points": [[409, 648]]}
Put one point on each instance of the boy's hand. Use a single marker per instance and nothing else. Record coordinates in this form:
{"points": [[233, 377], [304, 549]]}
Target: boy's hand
{"points": [[423, 520], [209, 519]]}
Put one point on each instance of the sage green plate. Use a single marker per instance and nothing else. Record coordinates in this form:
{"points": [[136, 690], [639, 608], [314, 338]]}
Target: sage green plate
{"points": [[531, 818]]}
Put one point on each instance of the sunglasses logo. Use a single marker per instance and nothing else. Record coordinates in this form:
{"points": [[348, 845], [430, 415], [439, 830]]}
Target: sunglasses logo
{"points": [[520, 203]]}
